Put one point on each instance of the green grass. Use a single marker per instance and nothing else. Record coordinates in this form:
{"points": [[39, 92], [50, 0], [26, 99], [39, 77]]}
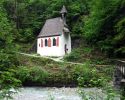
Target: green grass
{"points": [[46, 72], [84, 54]]}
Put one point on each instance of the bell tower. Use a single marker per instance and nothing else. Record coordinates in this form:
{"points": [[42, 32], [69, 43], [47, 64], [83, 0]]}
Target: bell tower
{"points": [[63, 12]]}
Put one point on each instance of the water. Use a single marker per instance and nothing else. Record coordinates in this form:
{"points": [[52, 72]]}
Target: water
{"points": [[37, 93]]}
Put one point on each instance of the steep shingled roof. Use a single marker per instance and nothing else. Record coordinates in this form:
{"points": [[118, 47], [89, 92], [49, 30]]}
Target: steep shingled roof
{"points": [[55, 26], [52, 27]]}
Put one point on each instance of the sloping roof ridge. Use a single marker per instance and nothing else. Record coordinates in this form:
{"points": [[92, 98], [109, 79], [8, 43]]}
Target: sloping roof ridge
{"points": [[53, 18]]}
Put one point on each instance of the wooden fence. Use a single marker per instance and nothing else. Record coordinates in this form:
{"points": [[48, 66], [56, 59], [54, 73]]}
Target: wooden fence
{"points": [[121, 68], [120, 77]]}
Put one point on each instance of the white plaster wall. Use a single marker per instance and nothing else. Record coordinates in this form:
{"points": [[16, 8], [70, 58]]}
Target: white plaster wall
{"points": [[49, 51], [54, 50], [67, 40]]}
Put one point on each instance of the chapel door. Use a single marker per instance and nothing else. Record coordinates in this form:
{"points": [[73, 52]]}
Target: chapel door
{"points": [[66, 49]]}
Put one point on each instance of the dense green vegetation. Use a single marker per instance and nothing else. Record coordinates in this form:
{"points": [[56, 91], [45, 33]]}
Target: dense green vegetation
{"points": [[7, 56], [100, 23], [105, 26], [88, 54], [45, 72], [28, 16]]}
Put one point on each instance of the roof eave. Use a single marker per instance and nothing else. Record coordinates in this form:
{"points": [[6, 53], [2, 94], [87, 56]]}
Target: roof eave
{"points": [[48, 36]]}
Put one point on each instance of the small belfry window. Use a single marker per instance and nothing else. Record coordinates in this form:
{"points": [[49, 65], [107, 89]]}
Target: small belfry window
{"points": [[46, 43], [54, 42]]}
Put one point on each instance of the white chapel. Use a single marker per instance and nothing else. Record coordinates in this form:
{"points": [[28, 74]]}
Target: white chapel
{"points": [[54, 38]]}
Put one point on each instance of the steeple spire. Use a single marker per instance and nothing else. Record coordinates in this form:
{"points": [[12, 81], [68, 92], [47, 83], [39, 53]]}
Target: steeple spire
{"points": [[64, 12]]}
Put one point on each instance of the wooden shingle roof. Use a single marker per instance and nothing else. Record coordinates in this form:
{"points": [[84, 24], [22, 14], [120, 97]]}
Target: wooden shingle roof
{"points": [[52, 27]]}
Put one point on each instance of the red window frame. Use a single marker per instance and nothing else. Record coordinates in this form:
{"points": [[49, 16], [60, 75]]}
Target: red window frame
{"points": [[57, 42]]}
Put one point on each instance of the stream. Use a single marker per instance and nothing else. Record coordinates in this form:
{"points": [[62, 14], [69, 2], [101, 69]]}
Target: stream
{"points": [[40, 93]]}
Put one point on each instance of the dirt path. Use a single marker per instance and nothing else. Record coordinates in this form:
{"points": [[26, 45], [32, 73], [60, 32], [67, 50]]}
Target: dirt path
{"points": [[58, 59]]}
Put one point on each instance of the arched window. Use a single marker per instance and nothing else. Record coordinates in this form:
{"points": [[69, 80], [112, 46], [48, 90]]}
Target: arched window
{"points": [[54, 42], [41, 42], [46, 43], [49, 42]]}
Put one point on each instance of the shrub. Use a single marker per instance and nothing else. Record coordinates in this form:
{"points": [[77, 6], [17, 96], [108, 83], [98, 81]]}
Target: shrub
{"points": [[61, 74], [39, 75], [78, 54], [31, 75], [88, 77], [8, 80]]}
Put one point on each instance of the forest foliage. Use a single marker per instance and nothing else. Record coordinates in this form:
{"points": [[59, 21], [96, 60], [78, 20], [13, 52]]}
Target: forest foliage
{"points": [[7, 57], [105, 26], [100, 22]]}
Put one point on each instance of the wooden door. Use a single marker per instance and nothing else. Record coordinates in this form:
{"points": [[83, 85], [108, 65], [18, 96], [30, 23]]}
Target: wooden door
{"points": [[65, 48]]}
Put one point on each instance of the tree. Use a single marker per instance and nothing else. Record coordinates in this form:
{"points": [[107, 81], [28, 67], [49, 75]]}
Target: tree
{"points": [[100, 25], [7, 57]]}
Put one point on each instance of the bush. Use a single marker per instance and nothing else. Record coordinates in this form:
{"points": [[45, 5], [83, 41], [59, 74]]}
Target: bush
{"points": [[31, 75], [62, 74], [8, 80], [88, 77], [38, 75], [79, 54]]}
